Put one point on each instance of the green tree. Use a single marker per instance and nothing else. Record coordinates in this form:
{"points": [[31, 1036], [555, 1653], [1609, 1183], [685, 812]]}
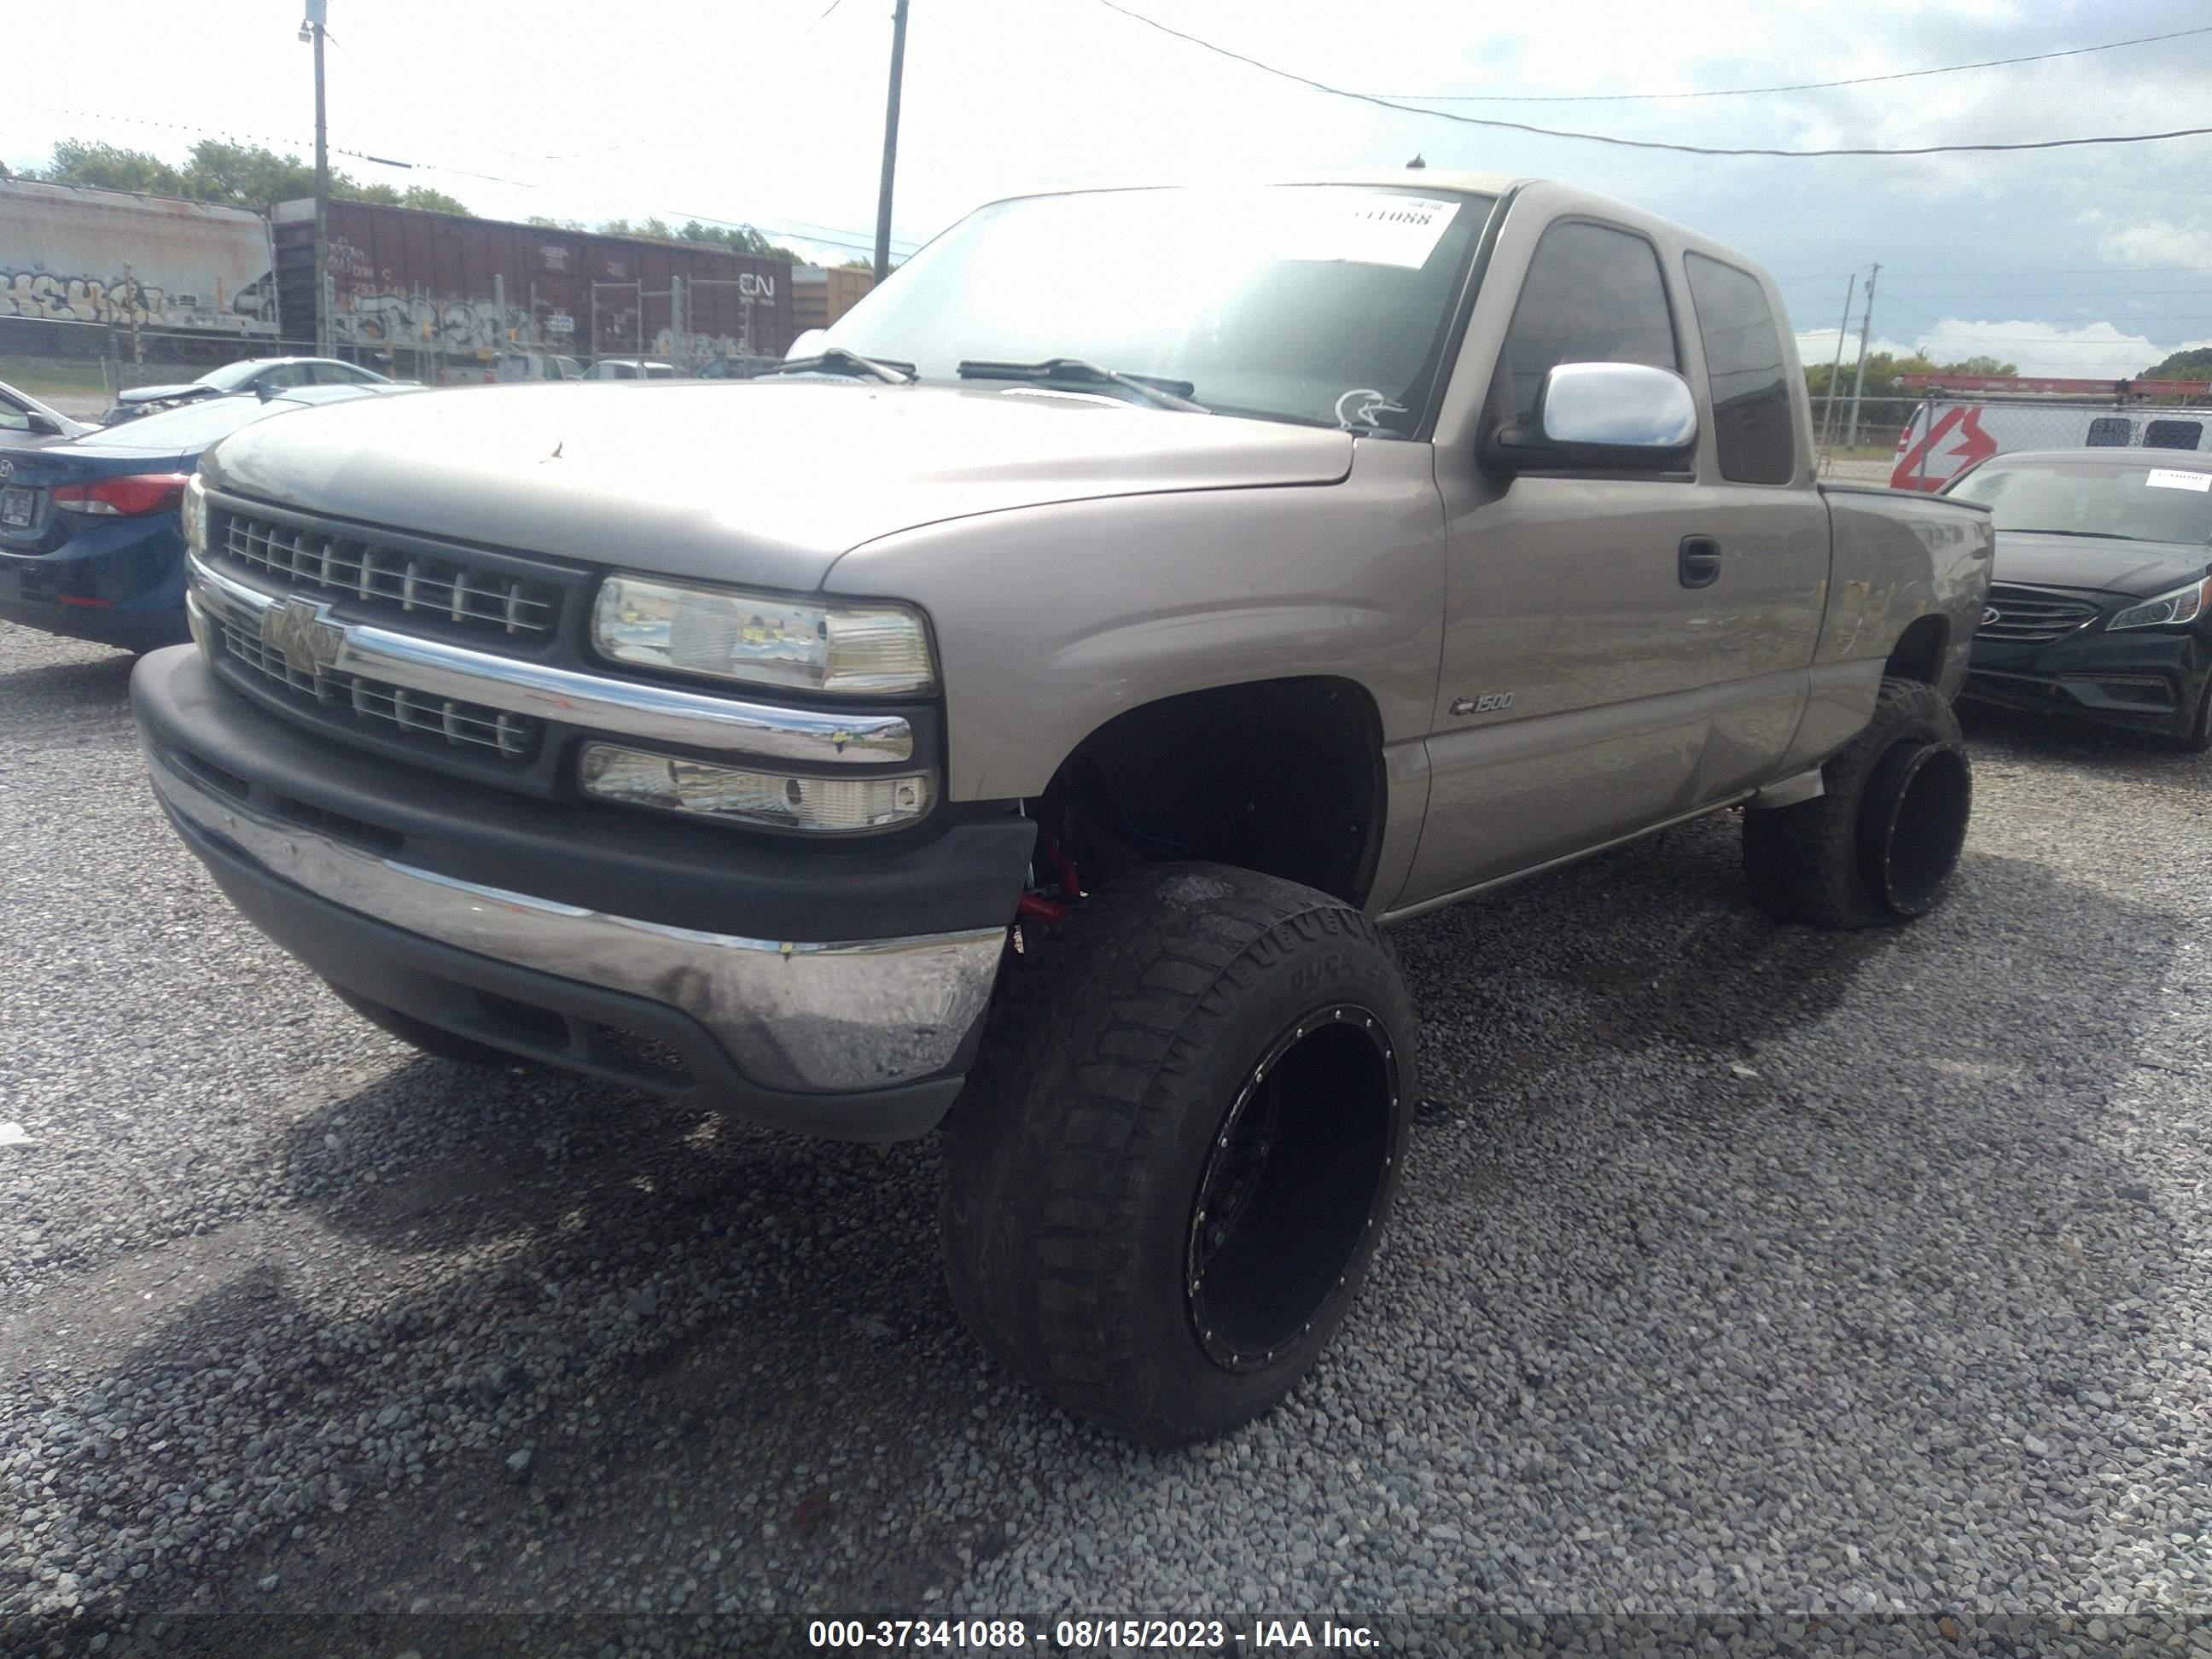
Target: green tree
{"points": [[105, 167], [433, 201], [1882, 369], [234, 175], [739, 239], [2195, 364], [248, 175]]}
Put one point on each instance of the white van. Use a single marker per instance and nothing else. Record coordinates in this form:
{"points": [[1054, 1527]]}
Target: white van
{"points": [[1943, 440]]}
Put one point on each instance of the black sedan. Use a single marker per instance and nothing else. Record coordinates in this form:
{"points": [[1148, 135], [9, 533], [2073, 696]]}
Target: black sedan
{"points": [[2100, 604], [92, 544]]}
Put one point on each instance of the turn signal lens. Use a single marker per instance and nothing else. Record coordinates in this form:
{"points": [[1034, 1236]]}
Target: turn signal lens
{"points": [[638, 777], [196, 516]]}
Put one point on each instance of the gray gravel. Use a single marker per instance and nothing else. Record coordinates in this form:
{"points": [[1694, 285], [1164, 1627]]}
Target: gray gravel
{"points": [[1740, 1268]]}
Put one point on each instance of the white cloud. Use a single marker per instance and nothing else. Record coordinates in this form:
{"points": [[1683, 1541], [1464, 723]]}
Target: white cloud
{"points": [[1818, 346], [2092, 351], [2156, 242]]}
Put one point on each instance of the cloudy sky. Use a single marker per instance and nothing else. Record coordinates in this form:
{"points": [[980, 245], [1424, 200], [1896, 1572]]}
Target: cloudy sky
{"points": [[2089, 261]]}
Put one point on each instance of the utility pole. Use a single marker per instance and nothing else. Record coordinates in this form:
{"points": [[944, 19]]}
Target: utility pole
{"points": [[318, 15], [890, 143], [1836, 368], [1858, 380]]}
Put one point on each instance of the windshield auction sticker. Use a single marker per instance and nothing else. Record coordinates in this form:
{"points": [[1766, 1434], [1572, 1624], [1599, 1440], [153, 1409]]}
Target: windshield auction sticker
{"points": [[1362, 227], [2172, 478]]}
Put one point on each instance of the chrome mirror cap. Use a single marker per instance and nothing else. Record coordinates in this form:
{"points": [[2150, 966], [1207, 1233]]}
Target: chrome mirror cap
{"points": [[1600, 417], [1619, 406]]}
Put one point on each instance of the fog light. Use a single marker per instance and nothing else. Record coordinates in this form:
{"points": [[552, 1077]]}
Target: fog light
{"points": [[672, 783]]}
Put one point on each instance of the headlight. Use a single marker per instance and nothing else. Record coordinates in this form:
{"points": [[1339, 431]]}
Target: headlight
{"points": [[764, 639], [196, 516], [2184, 604], [638, 777]]}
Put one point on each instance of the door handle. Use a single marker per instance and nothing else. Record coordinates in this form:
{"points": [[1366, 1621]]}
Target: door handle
{"points": [[1699, 561]]}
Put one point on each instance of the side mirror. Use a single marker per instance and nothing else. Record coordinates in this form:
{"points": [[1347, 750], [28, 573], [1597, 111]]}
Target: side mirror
{"points": [[1601, 417]]}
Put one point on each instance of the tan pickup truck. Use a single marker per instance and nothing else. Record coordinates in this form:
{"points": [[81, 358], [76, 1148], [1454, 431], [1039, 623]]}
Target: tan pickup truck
{"points": [[1022, 714]]}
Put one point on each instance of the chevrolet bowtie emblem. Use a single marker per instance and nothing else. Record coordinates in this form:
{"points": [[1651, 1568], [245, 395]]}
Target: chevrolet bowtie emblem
{"points": [[298, 631]]}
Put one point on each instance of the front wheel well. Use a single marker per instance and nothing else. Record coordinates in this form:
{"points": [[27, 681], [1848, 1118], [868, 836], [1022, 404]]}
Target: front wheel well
{"points": [[1281, 777]]}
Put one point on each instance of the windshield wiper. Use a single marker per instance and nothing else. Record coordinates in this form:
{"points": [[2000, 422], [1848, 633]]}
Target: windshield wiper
{"points": [[1080, 371], [2100, 535], [838, 361]]}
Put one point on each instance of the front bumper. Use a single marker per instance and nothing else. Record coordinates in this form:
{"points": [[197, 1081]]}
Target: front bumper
{"points": [[2148, 680], [376, 878]]}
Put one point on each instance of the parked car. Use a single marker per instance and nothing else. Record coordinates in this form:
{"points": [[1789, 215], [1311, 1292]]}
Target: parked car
{"points": [[250, 375], [2100, 604], [90, 544], [26, 423], [1021, 713], [513, 366], [629, 368], [1942, 440]]}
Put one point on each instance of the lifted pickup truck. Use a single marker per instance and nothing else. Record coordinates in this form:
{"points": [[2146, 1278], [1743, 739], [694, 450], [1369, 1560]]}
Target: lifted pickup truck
{"points": [[1021, 714]]}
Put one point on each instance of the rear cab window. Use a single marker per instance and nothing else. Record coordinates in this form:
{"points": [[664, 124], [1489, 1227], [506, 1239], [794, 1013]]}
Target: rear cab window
{"points": [[1754, 432]]}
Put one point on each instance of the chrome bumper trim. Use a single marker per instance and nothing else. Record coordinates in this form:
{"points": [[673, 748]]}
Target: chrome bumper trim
{"points": [[818, 1018], [658, 714]]}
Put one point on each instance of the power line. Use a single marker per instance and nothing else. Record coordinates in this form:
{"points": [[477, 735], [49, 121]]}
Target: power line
{"points": [[1640, 143], [795, 228], [1794, 86]]}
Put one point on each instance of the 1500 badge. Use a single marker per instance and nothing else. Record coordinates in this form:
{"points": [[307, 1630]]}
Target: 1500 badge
{"points": [[1488, 704]]}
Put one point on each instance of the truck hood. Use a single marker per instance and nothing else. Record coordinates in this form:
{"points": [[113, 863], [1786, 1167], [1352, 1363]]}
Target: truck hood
{"points": [[757, 481], [2142, 569]]}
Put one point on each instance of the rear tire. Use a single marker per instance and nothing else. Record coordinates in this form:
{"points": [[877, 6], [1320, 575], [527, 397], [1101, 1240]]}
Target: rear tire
{"points": [[1879, 846], [419, 1034], [1169, 1170]]}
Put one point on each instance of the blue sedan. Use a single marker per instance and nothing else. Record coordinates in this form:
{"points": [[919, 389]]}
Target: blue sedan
{"points": [[91, 543]]}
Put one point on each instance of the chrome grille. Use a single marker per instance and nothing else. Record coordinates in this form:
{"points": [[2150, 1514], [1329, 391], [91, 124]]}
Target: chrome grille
{"points": [[475, 595], [513, 737], [2031, 615]]}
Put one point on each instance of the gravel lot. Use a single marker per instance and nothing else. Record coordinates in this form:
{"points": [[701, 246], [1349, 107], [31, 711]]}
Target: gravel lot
{"points": [[1740, 1268]]}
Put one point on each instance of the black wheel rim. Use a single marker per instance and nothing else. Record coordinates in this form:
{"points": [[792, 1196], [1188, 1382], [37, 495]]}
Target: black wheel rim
{"points": [[1921, 796], [1292, 1186]]}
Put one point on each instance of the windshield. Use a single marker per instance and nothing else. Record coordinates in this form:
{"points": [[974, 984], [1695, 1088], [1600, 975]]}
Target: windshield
{"points": [[2137, 499], [195, 426], [231, 376], [1327, 304]]}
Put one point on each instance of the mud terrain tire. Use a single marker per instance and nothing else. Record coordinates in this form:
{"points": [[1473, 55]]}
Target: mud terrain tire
{"points": [[1171, 1166]]}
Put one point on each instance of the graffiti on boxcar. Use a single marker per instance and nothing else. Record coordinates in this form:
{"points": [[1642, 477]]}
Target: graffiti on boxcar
{"points": [[414, 320], [58, 298], [124, 302]]}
